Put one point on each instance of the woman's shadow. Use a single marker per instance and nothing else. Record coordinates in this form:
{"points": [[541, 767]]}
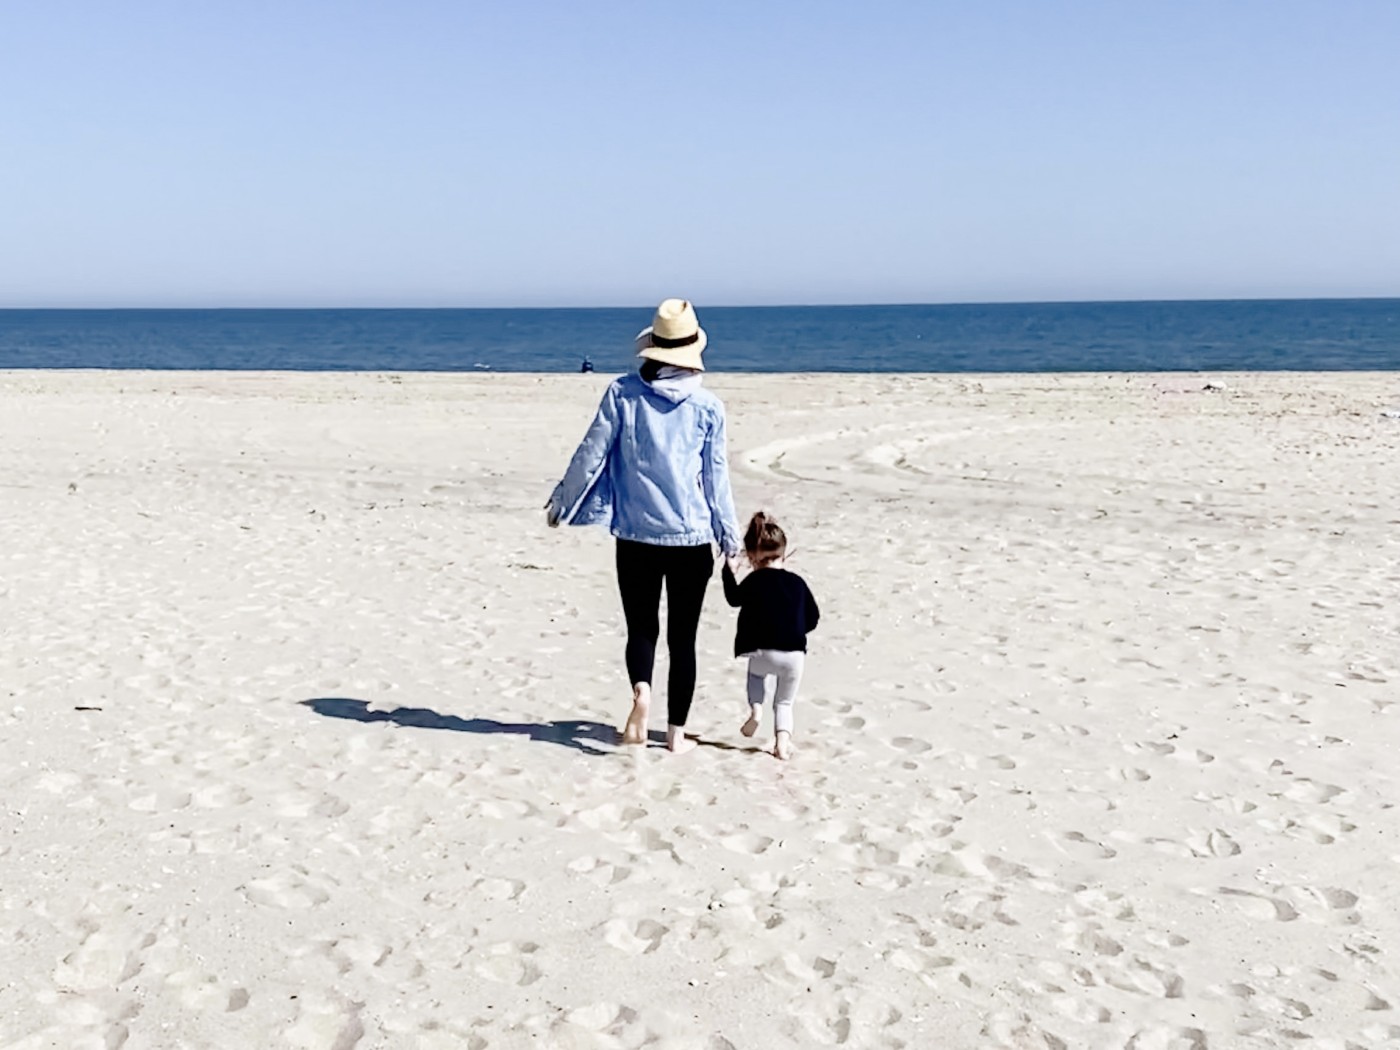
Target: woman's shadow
{"points": [[573, 733]]}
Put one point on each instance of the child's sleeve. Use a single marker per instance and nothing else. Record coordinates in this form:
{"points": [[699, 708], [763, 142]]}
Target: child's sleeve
{"points": [[813, 613], [732, 594]]}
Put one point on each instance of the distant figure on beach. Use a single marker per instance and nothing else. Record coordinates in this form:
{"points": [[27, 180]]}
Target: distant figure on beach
{"points": [[653, 468], [587, 366], [776, 610]]}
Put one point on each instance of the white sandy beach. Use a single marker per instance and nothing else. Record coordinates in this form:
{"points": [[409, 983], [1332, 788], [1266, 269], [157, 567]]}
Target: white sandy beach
{"points": [[306, 722]]}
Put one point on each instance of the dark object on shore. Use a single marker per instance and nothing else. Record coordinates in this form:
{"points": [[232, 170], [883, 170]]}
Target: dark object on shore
{"points": [[587, 366]]}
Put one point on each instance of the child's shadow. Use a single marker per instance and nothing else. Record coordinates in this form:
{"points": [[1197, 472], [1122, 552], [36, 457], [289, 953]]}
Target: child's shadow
{"points": [[573, 733]]}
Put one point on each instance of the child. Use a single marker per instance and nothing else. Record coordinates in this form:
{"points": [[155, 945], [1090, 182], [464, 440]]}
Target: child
{"points": [[776, 610]]}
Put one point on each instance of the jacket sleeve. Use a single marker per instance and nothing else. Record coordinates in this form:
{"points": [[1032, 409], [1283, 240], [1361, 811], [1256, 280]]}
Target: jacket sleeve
{"points": [[718, 495], [813, 613], [590, 458], [732, 594]]}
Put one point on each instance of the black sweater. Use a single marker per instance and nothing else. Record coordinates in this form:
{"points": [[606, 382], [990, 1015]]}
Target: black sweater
{"points": [[776, 610]]}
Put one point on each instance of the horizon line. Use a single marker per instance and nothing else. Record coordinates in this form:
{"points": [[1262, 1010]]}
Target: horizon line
{"points": [[735, 306]]}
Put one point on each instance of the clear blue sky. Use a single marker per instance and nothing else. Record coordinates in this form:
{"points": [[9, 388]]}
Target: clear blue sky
{"points": [[434, 153]]}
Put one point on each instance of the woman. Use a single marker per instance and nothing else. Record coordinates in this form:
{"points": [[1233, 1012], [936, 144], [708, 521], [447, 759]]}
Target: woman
{"points": [[652, 468]]}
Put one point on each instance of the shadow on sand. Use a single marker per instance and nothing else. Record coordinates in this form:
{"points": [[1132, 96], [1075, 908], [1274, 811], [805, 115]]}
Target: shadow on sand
{"points": [[572, 732]]}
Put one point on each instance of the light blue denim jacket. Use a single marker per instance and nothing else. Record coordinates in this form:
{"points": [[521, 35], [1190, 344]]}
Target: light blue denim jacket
{"points": [[653, 468]]}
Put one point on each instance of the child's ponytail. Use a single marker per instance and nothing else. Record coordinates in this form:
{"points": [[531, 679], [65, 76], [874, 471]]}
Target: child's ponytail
{"points": [[764, 540]]}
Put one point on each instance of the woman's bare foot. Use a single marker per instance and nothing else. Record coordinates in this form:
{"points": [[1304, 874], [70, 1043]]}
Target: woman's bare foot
{"points": [[782, 745], [750, 727], [635, 731], [676, 740]]}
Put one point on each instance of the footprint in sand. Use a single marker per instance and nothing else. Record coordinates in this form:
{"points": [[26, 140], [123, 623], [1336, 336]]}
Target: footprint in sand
{"points": [[1327, 906], [792, 971], [970, 761], [1089, 937], [911, 746], [1229, 803], [684, 795], [640, 938], [351, 953], [1017, 1032], [1215, 843], [206, 993], [973, 909], [748, 842], [1079, 1009], [297, 805], [970, 862], [1165, 939], [103, 959], [326, 1023], [850, 723], [506, 809], [1077, 844], [599, 871], [848, 1018], [646, 845], [1131, 774], [609, 817], [1139, 975], [1279, 1006], [1259, 906], [907, 926], [494, 889], [924, 964], [1167, 1037], [602, 1018], [1150, 748], [510, 962], [160, 802], [1320, 828], [1311, 791], [1101, 903], [787, 812], [289, 889], [220, 796], [106, 1027]]}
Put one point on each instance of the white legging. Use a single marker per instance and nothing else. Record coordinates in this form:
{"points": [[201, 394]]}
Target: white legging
{"points": [[786, 668]]}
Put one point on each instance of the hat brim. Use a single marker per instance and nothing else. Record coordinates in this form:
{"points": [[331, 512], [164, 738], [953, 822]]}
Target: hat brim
{"points": [[688, 356]]}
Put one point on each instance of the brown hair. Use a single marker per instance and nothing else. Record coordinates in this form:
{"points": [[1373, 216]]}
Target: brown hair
{"points": [[764, 540]]}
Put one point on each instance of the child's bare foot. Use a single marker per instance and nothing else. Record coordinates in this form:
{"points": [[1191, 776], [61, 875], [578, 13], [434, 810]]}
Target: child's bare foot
{"points": [[750, 727], [782, 745], [677, 742], [635, 731]]}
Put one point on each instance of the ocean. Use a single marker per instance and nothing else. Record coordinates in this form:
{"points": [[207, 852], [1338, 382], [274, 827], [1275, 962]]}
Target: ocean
{"points": [[1237, 335]]}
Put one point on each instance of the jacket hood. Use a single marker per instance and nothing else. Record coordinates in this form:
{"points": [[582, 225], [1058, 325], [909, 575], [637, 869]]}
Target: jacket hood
{"points": [[676, 384]]}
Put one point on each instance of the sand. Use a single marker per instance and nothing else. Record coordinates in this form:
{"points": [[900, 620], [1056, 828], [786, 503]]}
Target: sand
{"points": [[307, 722]]}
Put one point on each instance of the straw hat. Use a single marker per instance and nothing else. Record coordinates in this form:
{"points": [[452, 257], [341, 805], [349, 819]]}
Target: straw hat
{"points": [[674, 336]]}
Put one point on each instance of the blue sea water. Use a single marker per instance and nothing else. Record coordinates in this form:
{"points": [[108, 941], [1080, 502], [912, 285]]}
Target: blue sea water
{"points": [[1262, 335]]}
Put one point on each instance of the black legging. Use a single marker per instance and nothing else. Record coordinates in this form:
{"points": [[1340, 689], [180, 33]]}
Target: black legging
{"points": [[641, 567]]}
